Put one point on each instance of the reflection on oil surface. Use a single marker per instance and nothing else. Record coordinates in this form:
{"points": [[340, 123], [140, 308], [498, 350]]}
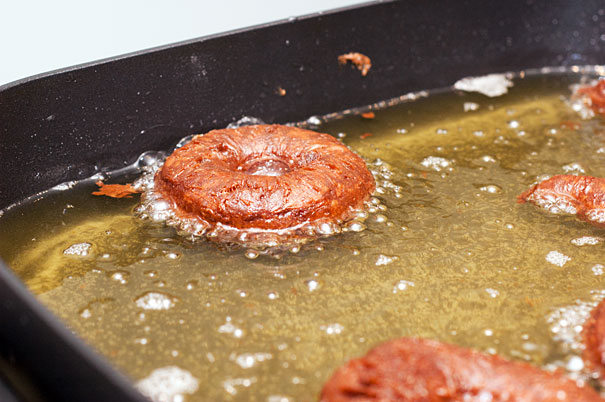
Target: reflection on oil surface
{"points": [[447, 254]]}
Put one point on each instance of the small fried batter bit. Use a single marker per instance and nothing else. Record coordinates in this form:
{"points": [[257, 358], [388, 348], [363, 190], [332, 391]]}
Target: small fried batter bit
{"points": [[362, 61], [115, 190]]}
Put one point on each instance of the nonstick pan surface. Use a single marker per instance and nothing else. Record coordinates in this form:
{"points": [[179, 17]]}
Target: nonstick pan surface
{"points": [[71, 124]]}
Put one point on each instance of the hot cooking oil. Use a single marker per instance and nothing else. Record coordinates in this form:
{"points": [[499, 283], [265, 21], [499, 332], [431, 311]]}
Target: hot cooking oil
{"points": [[447, 253]]}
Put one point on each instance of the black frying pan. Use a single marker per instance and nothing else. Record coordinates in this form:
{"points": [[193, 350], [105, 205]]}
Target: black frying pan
{"points": [[70, 124]]}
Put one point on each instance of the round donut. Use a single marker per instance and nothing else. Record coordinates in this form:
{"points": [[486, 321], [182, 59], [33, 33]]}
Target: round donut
{"points": [[593, 334], [420, 370], [266, 177]]}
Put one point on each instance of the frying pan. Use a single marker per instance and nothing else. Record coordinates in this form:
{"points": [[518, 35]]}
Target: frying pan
{"points": [[70, 124]]}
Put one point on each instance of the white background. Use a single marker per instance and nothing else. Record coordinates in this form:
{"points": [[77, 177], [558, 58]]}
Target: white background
{"points": [[43, 35]]}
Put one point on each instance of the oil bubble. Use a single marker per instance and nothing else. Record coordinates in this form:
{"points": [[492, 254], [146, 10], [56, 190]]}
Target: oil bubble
{"points": [[251, 254], [513, 124], [119, 276], [380, 218], [246, 121], [332, 329], [586, 241], [566, 323], [493, 293], [385, 260], [598, 269], [312, 285], [557, 258], [278, 398], [172, 255], [575, 363], [361, 215], [435, 163], [574, 168], [491, 188], [150, 158], [248, 360], [168, 384], [327, 228], [313, 121], [229, 328], [230, 384], [355, 226], [155, 301], [402, 285], [78, 249], [470, 106]]}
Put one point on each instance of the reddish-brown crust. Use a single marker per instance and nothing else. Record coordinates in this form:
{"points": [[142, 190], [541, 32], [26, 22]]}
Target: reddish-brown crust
{"points": [[368, 115], [419, 370], [586, 194], [363, 62], [115, 190], [596, 94], [209, 178], [594, 339]]}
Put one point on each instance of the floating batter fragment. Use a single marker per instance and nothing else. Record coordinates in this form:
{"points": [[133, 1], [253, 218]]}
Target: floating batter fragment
{"points": [[363, 62], [420, 370], [115, 190]]}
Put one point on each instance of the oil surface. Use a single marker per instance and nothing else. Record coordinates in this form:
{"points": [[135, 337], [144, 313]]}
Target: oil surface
{"points": [[451, 256]]}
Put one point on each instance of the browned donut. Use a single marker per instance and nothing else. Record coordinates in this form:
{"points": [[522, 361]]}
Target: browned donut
{"points": [[420, 370], [583, 196], [594, 339], [265, 177], [596, 94]]}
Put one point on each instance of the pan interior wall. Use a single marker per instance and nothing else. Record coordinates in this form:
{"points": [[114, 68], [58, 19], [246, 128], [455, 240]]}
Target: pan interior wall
{"points": [[72, 124]]}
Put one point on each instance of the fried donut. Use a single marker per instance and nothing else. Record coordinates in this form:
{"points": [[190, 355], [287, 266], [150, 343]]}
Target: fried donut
{"points": [[420, 370], [583, 196], [593, 334], [264, 177], [596, 94]]}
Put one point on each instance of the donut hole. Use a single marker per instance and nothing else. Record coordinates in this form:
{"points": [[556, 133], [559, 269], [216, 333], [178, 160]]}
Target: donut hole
{"points": [[265, 167]]}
